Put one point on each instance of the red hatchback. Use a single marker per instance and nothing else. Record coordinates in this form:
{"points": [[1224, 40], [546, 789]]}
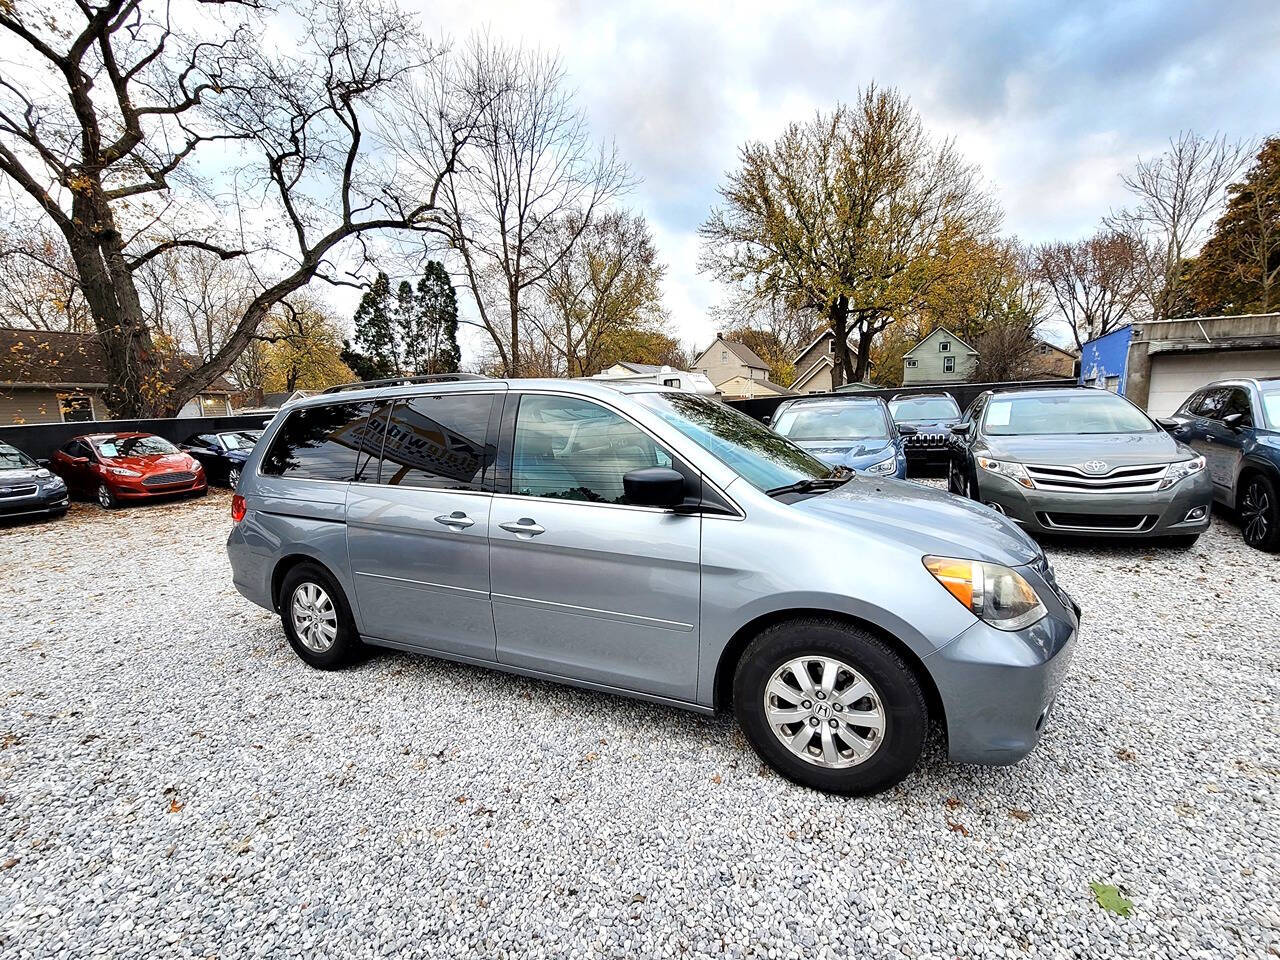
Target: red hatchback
{"points": [[111, 467]]}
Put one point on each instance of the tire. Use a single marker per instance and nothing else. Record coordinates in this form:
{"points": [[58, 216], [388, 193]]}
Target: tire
{"points": [[106, 499], [233, 478], [895, 701], [953, 480], [314, 645], [1259, 511]]}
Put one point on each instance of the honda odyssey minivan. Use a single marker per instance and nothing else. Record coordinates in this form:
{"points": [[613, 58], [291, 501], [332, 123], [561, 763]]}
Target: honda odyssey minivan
{"points": [[638, 540]]}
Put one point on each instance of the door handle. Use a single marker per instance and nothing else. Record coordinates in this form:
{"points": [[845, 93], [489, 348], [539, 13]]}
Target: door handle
{"points": [[524, 527], [456, 519]]}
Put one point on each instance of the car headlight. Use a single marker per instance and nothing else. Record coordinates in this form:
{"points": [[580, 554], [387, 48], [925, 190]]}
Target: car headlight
{"points": [[885, 466], [43, 474], [1181, 470], [123, 472], [993, 593], [1007, 468]]}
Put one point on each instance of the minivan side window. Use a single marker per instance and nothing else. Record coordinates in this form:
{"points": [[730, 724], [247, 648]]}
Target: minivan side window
{"points": [[323, 443], [574, 449], [437, 442]]}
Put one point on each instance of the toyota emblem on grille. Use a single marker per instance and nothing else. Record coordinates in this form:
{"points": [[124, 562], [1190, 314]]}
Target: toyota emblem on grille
{"points": [[1095, 466]]}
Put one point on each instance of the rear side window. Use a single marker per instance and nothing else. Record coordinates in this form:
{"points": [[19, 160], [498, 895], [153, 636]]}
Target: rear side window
{"points": [[1238, 402], [437, 442], [324, 443], [573, 449]]}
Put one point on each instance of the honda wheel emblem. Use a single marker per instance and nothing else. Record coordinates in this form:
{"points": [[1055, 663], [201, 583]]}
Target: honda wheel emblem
{"points": [[1095, 466]]}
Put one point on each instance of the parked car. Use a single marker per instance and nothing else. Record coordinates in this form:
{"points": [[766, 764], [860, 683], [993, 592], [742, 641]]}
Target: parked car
{"points": [[115, 467], [854, 432], [1080, 462], [1235, 425], [931, 416], [639, 540], [28, 489], [222, 454]]}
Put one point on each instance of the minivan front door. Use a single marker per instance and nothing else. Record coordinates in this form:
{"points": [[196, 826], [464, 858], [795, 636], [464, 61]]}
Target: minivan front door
{"points": [[417, 528], [585, 586]]}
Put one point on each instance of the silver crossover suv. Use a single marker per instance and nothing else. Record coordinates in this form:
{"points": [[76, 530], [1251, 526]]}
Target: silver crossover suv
{"points": [[637, 540], [1079, 461]]}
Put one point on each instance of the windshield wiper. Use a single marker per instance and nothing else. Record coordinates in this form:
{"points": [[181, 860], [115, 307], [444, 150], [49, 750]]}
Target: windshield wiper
{"points": [[812, 484]]}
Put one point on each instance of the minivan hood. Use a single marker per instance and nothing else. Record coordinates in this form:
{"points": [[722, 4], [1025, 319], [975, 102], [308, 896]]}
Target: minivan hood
{"points": [[1115, 449], [933, 521]]}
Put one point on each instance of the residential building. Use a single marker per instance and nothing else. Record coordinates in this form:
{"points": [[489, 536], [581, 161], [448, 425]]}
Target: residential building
{"points": [[51, 377], [1048, 361], [1158, 363], [814, 365], [725, 359], [666, 376], [747, 388], [941, 357]]}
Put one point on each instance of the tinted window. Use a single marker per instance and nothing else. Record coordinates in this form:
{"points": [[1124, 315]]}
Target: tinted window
{"points": [[925, 408], [574, 449], [201, 440], [437, 442], [1086, 412], [1238, 402], [1208, 403], [323, 443], [833, 421]]}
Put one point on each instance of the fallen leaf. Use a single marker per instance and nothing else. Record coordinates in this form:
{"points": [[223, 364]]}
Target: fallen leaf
{"points": [[1124, 753], [9, 864], [175, 806], [592, 756], [953, 802], [957, 828], [716, 778], [1111, 899], [638, 898], [461, 799], [1023, 815]]}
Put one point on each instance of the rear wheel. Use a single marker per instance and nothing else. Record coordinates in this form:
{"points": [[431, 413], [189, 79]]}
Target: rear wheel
{"points": [[830, 706], [1259, 510], [317, 619], [233, 478]]}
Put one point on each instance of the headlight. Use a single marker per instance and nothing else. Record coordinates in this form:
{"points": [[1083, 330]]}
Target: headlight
{"points": [[991, 592], [1181, 470], [123, 472], [1007, 468], [886, 466], [44, 474]]}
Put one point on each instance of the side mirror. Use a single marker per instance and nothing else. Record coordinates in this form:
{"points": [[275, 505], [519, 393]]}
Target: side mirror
{"points": [[1233, 421], [43, 462], [1170, 425], [766, 419], [960, 429], [907, 430], [654, 487]]}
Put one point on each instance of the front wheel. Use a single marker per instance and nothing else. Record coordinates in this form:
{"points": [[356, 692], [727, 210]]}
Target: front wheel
{"points": [[830, 706], [233, 478], [106, 499], [317, 619], [1259, 511]]}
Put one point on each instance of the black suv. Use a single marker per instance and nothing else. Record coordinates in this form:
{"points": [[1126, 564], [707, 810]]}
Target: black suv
{"points": [[932, 415]]}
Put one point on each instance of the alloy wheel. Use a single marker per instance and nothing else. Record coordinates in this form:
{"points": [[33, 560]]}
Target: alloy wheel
{"points": [[1255, 512], [233, 478], [315, 618], [824, 711], [104, 497]]}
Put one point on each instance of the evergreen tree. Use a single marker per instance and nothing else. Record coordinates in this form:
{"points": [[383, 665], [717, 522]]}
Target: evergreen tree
{"points": [[438, 319], [375, 332], [408, 325]]}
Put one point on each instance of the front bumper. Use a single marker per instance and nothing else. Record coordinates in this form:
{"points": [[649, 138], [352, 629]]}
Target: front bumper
{"points": [[1129, 515], [928, 446], [998, 687], [45, 501], [130, 489]]}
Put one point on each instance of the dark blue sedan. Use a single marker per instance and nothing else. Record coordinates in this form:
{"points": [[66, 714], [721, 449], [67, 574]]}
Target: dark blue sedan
{"points": [[222, 454], [854, 432], [1235, 424]]}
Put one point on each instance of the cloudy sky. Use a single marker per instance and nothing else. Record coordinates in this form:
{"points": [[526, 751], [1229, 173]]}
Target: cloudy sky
{"points": [[1053, 100]]}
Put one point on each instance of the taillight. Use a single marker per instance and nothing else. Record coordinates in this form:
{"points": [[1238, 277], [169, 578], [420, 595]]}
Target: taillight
{"points": [[237, 508]]}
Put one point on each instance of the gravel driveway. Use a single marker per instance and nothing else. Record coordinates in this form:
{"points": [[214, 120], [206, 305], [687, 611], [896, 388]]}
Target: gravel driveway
{"points": [[174, 782]]}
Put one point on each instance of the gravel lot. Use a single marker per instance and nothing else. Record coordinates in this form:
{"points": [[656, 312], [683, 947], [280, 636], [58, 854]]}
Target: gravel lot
{"points": [[175, 782]]}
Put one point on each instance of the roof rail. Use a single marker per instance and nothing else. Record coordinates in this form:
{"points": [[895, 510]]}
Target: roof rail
{"points": [[404, 381]]}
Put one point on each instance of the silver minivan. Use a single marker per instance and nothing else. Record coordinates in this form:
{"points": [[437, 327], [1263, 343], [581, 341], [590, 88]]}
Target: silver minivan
{"points": [[643, 541]]}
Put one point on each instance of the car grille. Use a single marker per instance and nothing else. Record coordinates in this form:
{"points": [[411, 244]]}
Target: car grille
{"points": [[925, 441], [168, 479], [1117, 522], [1144, 478], [23, 491]]}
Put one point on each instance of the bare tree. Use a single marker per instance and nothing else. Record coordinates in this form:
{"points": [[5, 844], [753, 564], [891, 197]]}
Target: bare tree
{"points": [[120, 100], [531, 164], [38, 283], [1095, 283], [1175, 197], [844, 215]]}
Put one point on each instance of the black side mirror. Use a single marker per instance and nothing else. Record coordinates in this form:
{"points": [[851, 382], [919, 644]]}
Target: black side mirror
{"points": [[654, 487], [766, 419], [43, 462], [960, 429], [1233, 421], [907, 430], [1170, 425]]}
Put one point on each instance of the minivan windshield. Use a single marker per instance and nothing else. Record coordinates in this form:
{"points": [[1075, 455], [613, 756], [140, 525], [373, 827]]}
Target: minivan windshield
{"points": [[11, 458], [1086, 412], [838, 420], [924, 408], [763, 458]]}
